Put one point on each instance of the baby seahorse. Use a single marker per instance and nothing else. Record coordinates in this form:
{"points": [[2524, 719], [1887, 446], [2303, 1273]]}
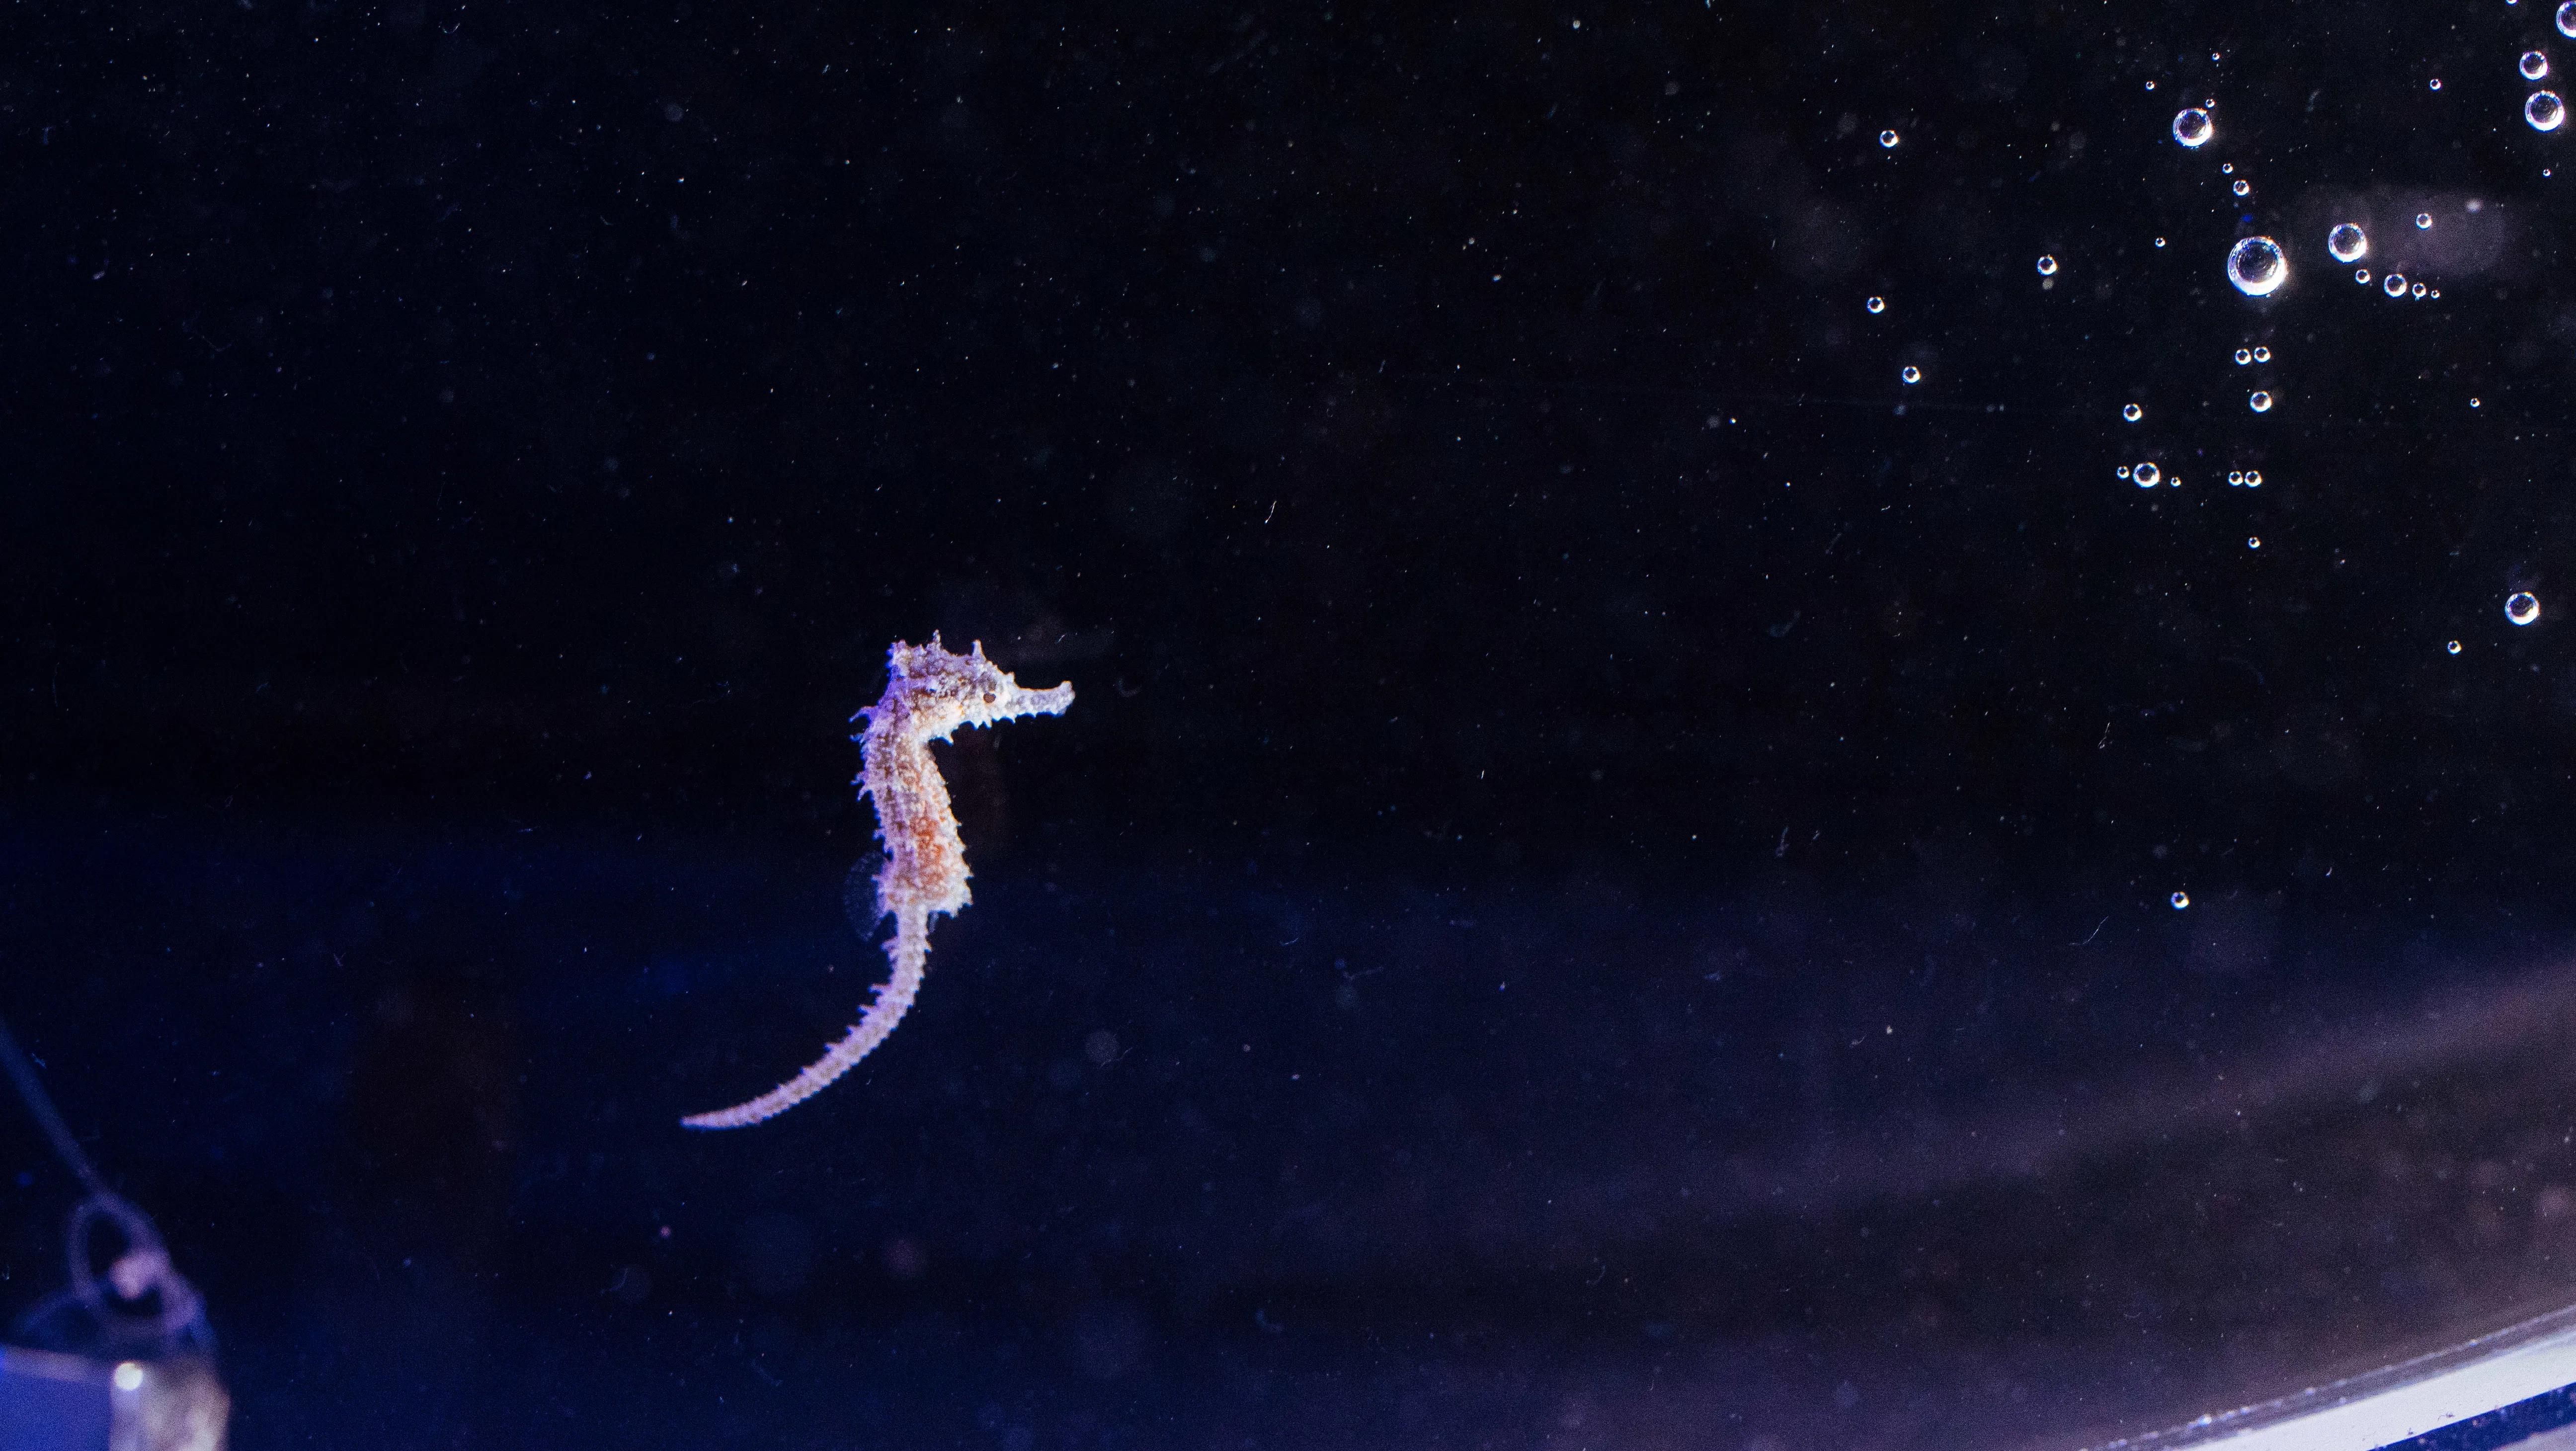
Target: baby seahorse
{"points": [[929, 694]]}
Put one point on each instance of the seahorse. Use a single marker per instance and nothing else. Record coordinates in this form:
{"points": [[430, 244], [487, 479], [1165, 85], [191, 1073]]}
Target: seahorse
{"points": [[929, 693]]}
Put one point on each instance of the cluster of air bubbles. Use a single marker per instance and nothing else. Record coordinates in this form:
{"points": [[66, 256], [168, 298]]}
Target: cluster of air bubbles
{"points": [[1887, 139], [2132, 412], [1876, 304], [2047, 265], [2256, 266], [2260, 402], [2523, 607], [2534, 65], [2192, 126], [2347, 243], [2545, 112], [1911, 373], [2252, 355], [2245, 479]]}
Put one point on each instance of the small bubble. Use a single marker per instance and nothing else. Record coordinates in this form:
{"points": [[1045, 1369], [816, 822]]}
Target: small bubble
{"points": [[2121, 472], [2361, 275], [2262, 355], [2524, 607], [2253, 478], [2181, 900], [2242, 186], [2473, 403], [2161, 241], [2236, 478], [2453, 647], [2251, 542], [1887, 139], [2260, 402], [2227, 168], [2256, 266], [2152, 85], [2133, 412], [2418, 290], [2191, 126], [2047, 265], [1911, 374], [1877, 304], [2244, 356], [2423, 221], [2545, 112], [2567, 19], [2146, 475], [2437, 292], [2394, 284], [2534, 65], [2347, 243], [2437, 83]]}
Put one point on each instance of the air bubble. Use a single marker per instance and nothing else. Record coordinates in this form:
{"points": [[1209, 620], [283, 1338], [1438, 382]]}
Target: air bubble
{"points": [[2534, 65], [2147, 475], [2047, 265], [2524, 607], [1887, 139], [2545, 112], [2244, 356], [2133, 412], [2161, 241], [2255, 264], [2260, 402], [2347, 243], [2253, 478], [2262, 355], [2437, 83], [2361, 275], [2251, 542], [1911, 374], [2394, 284], [2235, 478], [1877, 304], [2192, 127], [2121, 472], [2567, 19], [2423, 221], [2242, 186], [2419, 290], [2181, 900], [2453, 647]]}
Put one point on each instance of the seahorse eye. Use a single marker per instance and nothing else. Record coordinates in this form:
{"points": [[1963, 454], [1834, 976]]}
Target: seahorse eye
{"points": [[988, 697]]}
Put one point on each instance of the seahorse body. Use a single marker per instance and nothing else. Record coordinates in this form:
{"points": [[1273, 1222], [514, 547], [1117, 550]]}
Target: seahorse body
{"points": [[929, 694]]}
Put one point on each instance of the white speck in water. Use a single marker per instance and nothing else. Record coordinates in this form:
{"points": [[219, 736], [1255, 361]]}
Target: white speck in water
{"points": [[2260, 402], [2192, 127], [2181, 900], [2545, 112], [2147, 475], [2347, 242], [2453, 647], [2534, 65], [2256, 266], [1887, 139], [1911, 374], [1876, 304], [2047, 265], [2244, 356], [2394, 284], [2524, 607], [2133, 412]]}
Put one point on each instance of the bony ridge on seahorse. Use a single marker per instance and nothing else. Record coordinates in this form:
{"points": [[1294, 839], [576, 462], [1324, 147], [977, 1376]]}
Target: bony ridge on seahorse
{"points": [[929, 694]]}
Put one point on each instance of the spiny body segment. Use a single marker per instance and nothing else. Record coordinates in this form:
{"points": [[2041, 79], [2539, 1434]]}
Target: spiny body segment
{"points": [[929, 694]]}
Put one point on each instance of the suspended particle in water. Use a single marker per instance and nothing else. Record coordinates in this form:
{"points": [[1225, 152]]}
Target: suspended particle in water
{"points": [[2545, 112], [1911, 374], [2567, 19], [2260, 402], [2192, 126], [2180, 900], [2534, 65], [2453, 647], [2262, 355], [2251, 542], [2394, 284], [1876, 304], [1887, 139], [2523, 607], [2418, 290], [2253, 478], [2047, 265], [2361, 275], [2133, 412], [2423, 221], [2242, 186], [2347, 243], [2147, 475], [2256, 266], [2244, 356]]}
